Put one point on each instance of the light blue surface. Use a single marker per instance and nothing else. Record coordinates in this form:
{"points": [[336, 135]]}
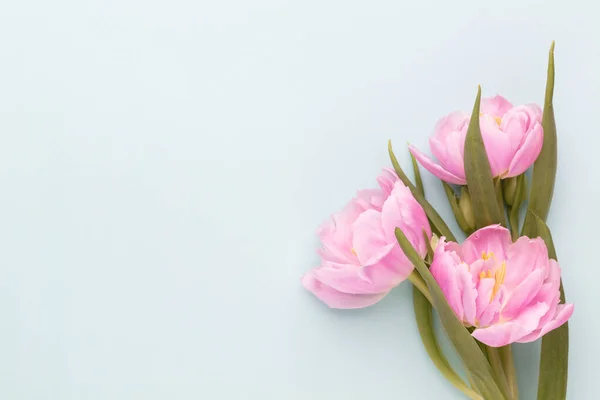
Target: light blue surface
{"points": [[164, 166]]}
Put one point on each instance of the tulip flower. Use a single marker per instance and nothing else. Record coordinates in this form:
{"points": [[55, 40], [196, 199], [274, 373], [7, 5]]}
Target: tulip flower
{"points": [[512, 137], [508, 292], [361, 260]]}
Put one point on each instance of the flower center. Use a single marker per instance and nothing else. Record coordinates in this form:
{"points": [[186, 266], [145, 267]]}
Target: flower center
{"points": [[498, 277], [497, 119]]}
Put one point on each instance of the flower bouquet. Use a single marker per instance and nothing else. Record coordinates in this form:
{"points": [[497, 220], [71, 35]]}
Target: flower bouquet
{"points": [[501, 285]]}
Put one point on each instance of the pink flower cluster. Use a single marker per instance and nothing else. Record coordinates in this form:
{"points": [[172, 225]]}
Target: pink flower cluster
{"points": [[512, 136], [506, 292], [361, 260], [509, 292]]}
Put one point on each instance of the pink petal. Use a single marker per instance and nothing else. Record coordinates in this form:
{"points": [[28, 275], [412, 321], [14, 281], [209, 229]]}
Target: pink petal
{"points": [[484, 295], [524, 256], [528, 152], [336, 233], [352, 278], [450, 150], [383, 265], [370, 199], [550, 292], [523, 294], [390, 271], [530, 317], [401, 210], [469, 293], [445, 271], [453, 122], [334, 254], [502, 334], [553, 275], [386, 180], [563, 313], [535, 111], [491, 314], [336, 299], [333, 232], [336, 239], [497, 146], [495, 106], [482, 265], [518, 123], [369, 241], [436, 169], [452, 247], [493, 239]]}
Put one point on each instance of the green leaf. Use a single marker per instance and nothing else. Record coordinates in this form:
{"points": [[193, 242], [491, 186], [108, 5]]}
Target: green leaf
{"points": [[429, 257], [479, 175], [437, 223], [499, 195], [493, 356], [513, 215], [458, 214], [508, 366], [418, 180], [424, 318], [475, 362], [554, 361], [544, 168]]}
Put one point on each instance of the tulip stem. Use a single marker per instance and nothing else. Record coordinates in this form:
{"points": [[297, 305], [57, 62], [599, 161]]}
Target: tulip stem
{"points": [[496, 364], [424, 318], [514, 223], [508, 365], [416, 279], [515, 206]]}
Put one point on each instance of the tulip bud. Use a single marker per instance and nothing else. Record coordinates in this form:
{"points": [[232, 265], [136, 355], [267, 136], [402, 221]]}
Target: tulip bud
{"points": [[464, 203], [434, 241], [509, 190]]}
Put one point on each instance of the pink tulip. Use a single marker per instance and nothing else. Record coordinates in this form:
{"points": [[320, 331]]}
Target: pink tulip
{"points": [[361, 260], [512, 136], [509, 292]]}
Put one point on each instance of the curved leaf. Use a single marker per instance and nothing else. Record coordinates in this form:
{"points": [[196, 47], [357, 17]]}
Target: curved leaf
{"points": [[544, 168], [554, 361], [418, 180], [424, 318], [424, 315], [479, 175], [437, 223]]}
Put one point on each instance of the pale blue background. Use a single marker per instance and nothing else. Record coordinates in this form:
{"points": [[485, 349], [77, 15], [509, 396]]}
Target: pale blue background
{"points": [[164, 165]]}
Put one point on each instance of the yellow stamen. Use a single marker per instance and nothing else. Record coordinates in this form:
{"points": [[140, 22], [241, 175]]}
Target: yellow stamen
{"points": [[497, 119], [485, 274], [499, 277], [353, 251], [487, 256]]}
